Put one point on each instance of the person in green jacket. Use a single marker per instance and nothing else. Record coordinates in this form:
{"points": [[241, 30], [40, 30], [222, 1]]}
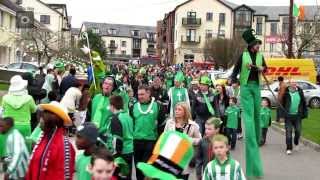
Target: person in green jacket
{"points": [[265, 116], [122, 132], [100, 108], [250, 66], [233, 113], [147, 116], [18, 105]]}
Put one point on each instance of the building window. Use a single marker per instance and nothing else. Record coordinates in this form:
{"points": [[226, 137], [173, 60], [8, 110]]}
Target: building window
{"points": [[136, 44], [19, 2], [272, 47], [123, 43], [191, 14], [222, 33], [191, 35], [112, 42], [151, 37], [1, 18], [123, 52], [112, 52], [243, 18], [45, 19], [188, 58], [209, 34], [259, 26], [95, 30], [112, 31], [222, 19], [274, 28], [209, 16], [285, 25], [135, 33]]}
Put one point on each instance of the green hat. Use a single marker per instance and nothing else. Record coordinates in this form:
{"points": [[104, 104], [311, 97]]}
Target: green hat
{"points": [[205, 80], [59, 65], [179, 76], [249, 37], [142, 71], [171, 155]]}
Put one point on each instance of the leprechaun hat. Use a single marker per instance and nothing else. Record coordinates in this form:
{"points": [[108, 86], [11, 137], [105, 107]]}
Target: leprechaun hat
{"points": [[171, 155], [250, 38]]}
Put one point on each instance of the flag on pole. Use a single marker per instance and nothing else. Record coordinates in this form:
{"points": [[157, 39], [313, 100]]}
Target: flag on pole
{"points": [[298, 11]]}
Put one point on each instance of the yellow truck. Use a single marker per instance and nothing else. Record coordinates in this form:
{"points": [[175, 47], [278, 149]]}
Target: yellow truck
{"points": [[298, 69]]}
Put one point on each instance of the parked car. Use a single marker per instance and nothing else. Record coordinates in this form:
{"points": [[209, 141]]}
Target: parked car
{"points": [[7, 71], [311, 93]]}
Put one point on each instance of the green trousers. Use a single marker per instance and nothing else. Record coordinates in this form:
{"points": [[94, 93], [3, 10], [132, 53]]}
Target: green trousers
{"points": [[250, 101]]}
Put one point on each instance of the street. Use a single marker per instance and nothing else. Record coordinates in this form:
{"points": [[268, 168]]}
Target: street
{"points": [[277, 165]]}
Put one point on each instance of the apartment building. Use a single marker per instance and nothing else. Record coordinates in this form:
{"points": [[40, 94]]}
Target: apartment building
{"points": [[183, 32], [125, 41], [8, 31]]}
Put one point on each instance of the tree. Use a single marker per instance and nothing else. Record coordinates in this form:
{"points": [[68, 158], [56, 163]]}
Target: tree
{"points": [[224, 52], [96, 43], [306, 38]]}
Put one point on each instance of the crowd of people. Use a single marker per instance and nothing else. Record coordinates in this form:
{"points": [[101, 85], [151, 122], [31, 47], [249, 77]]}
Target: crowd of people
{"points": [[166, 121]]}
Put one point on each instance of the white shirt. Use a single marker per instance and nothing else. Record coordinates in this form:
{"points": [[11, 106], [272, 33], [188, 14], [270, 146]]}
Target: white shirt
{"points": [[71, 99]]}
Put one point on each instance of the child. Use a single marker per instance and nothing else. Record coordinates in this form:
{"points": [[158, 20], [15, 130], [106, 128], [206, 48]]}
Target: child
{"points": [[17, 155], [204, 152], [233, 113], [86, 139], [265, 116], [223, 165], [102, 165], [122, 131]]}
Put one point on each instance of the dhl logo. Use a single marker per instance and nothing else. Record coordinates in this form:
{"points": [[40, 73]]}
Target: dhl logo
{"points": [[284, 71]]}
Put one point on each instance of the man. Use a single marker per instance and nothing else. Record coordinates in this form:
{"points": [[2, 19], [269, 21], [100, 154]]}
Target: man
{"points": [[203, 103], [250, 65], [282, 89], [178, 93], [296, 110], [146, 114], [160, 94], [68, 82], [100, 109]]}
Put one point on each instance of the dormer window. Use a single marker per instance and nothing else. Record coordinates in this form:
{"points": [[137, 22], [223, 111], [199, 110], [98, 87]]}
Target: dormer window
{"points": [[135, 33], [112, 31]]}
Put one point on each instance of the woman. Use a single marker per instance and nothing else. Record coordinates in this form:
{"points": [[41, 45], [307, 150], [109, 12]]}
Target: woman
{"points": [[18, 105], [182, 122], [54, 156], [221, 102]]}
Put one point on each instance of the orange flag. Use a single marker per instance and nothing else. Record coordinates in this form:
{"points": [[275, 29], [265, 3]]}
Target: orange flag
{"points": [[301, 13]]}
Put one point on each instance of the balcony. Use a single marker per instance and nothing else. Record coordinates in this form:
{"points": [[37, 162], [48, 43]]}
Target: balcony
{"points": [[151, 40], [112, 46], [151, 50], [194, 22], [190, 40]]}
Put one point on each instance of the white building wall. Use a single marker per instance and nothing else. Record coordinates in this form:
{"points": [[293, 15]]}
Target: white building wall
{"points": [[118, 42]]}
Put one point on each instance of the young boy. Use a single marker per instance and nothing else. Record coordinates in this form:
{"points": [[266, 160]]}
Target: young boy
{"points": [[122, 131], [16, 152], [223, 166], [265, 116], [233, 113], [86, 140], [102, 165], [204, 152]]}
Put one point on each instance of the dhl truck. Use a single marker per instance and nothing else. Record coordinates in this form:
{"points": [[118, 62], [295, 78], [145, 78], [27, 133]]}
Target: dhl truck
{"points": [[298, 69]]}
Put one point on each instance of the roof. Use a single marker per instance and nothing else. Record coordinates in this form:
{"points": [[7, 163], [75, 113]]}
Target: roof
{"points": [[47, 5], [122, 29], [224, 2], [273, 12], [9, 4]]}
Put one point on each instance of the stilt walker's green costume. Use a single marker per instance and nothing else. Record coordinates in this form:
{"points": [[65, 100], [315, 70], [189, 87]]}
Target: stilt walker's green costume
{"points": [[250, 66]]}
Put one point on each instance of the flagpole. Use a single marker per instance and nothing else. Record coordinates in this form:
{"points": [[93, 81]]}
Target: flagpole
{"points": [[290, 33], [85, 35]]}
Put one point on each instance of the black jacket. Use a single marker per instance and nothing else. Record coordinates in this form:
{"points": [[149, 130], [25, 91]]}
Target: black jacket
{"points": [[303, 109], [225, 101], [199, 106]]}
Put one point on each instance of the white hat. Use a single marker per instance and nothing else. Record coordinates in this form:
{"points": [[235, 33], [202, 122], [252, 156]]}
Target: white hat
{"points": [[17, 84]]}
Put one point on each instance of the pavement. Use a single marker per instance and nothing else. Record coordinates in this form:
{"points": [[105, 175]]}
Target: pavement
{"points": [[300, 165]]}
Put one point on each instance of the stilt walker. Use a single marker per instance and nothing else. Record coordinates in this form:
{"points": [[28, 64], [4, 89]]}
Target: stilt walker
{"points": [[250, 66]]}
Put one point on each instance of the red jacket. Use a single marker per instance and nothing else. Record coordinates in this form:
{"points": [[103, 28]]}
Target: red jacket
{"points": [[53, 158]]}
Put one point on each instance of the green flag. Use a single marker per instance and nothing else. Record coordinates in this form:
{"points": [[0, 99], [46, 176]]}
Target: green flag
{"points": [[295, 10]]}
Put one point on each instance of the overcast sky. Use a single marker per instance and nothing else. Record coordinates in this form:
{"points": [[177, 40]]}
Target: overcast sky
{"points": [[138, 12]]}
